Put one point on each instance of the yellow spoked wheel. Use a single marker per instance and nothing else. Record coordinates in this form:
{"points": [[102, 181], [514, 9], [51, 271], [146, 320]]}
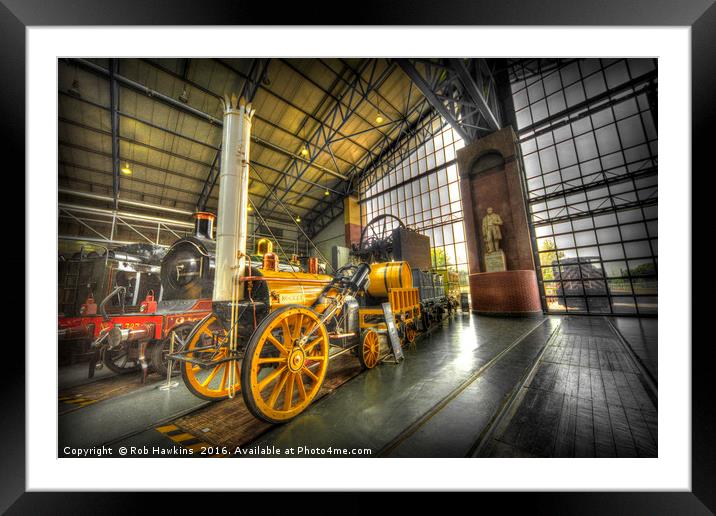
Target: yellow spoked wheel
{"points": [[410, 333], [369, 351], [209, 345], [284, 364]]}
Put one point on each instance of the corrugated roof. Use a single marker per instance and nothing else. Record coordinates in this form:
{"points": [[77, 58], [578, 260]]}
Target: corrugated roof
{"points": [[299, 102]]}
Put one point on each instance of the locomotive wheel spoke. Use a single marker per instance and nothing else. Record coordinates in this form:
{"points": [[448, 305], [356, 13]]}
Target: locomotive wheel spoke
{"points": [[286, 334], [270, 378], [289, 391], [309, 373], [308, 347], [271, 360], [211, 376], [277, 389], [301, 387], [224, 376], [277, 344], [297, 327]]}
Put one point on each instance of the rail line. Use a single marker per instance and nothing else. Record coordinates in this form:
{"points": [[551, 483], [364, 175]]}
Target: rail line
{"points": [[445, 401], [647, 379], [96, 390], [485, 436]]}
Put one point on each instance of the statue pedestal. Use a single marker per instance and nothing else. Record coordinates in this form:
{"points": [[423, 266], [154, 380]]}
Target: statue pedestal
{"points": [[495, 261], [512, 293]]}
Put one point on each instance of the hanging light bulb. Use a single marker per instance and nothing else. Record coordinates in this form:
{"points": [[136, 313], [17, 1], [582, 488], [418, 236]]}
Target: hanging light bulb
{"points": [[304, 151], [298, 219], [250, 208], [184, 97], [326, 193], [379, 118], [126, 170]]}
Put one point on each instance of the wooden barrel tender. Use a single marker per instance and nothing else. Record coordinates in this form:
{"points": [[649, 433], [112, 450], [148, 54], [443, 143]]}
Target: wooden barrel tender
{"points": [[387, 275]]}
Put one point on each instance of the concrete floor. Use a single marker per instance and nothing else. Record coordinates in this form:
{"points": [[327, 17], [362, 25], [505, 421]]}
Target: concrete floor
{"points": [[77, 374]]}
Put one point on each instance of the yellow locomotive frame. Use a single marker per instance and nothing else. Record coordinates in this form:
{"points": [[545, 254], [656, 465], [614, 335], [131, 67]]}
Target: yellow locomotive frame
{"points": [[404, 302], [405, 305]]}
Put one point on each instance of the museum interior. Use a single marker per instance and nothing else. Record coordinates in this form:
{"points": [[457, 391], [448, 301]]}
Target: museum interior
{"points": [[358, 257]]}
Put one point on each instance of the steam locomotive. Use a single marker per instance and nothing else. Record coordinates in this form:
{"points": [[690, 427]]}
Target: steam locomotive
{"points": [[272, 340], [271, 333]]}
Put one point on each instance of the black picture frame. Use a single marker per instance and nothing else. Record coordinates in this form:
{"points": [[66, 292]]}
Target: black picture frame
{"points": [[700, 15]]}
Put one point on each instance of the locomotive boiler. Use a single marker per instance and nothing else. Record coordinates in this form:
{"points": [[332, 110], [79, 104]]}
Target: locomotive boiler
{"points": [[187, 270]]}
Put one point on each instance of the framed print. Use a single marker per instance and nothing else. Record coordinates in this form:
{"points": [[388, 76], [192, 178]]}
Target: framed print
{"points": [[433, 242]]}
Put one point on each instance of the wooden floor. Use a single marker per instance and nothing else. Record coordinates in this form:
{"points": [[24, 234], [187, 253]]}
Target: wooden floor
{"points": [[586, 398]]}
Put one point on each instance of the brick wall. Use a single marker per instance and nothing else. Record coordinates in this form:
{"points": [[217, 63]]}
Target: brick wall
{"points": [[508, 292], [352, 234]]}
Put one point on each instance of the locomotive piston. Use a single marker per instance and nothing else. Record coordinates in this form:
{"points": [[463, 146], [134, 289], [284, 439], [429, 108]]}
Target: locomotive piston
{"points": [[118, 335]]}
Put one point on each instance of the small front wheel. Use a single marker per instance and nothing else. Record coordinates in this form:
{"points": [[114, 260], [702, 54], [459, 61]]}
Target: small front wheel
{"points": [[122, 360], [369, 351]]}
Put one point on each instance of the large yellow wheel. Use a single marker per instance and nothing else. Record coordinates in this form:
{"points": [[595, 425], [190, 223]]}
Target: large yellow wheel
{"points": [[369, 351], [284, 366], [208, 343]]}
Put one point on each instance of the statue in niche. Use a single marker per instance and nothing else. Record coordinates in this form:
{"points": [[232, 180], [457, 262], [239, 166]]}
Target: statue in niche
{"points": [[491, 232]]}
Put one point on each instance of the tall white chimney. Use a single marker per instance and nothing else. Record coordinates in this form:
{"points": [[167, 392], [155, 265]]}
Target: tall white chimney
{"points": [[232, 227]]}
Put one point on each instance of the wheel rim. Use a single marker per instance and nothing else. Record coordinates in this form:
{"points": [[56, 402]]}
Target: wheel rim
{"points": [[211, 382], [371, 349], [285, 376]]}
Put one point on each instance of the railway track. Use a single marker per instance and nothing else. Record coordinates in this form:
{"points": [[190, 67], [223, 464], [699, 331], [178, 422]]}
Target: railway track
{"points": [[445, 403]]}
